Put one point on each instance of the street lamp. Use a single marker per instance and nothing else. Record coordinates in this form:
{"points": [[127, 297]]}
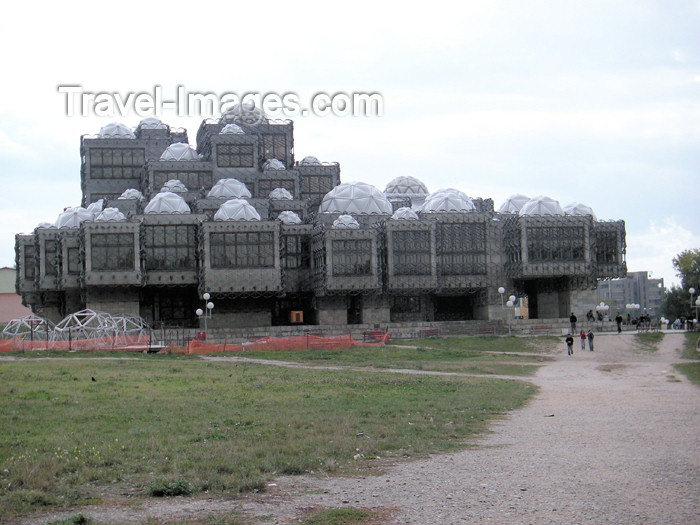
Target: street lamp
{"points": [[602, 309], [636, 307], [510, 304], [206, 313], [501, 291]]}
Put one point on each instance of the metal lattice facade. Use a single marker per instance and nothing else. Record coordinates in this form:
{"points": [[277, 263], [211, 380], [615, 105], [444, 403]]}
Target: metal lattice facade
{"points": [[360, 258]]}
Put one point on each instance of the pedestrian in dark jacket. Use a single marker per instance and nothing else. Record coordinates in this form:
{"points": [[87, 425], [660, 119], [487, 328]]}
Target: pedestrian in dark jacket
{"points": [[569, 344], [590, 340], [572, 320]]}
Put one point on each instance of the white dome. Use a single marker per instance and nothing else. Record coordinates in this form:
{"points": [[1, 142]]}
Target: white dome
{"points": [[116, 130], [310, 161], [405, 214], [541, 205], [180, 151], [245, 113], [405, 187], [167, 202], [355, 197], [152, 123], [175, 186], [232, 129], [96, 207], [448, 200], [229, 189], [513, 204], [346, 222], [273, 164], [576, 208], [110, 214], [236, 210], [72, 217], [289, 217], [281, 194], [131, 193]]}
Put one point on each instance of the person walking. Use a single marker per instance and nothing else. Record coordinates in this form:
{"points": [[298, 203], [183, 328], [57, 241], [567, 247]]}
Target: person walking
{"points": [[582, 336], [572, 320], [569, 344], [618, 320], [590, 340]]}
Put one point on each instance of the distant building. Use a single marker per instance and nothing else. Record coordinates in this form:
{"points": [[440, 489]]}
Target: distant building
{"points": [[10, 303], [278, 241], [636, 288]]}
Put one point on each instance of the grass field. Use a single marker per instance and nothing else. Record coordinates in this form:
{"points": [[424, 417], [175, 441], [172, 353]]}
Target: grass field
{"points": [[691, 369], [75, 430]]}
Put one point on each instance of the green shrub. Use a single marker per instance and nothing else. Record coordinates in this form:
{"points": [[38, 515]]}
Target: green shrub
{"points": [[166, 488]]}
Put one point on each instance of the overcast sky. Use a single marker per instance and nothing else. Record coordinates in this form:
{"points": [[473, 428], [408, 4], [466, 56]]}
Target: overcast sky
{"points": [[587, 101]]}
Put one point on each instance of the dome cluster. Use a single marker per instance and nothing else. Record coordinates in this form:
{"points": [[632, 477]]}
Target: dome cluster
{"points": [[542, 206]]}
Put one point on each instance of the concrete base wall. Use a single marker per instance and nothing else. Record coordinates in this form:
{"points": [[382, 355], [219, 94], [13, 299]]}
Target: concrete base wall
{"points": [[376, 309], [238, 319], [553, 305], [582, 301], [114, 301], [332, 310]]}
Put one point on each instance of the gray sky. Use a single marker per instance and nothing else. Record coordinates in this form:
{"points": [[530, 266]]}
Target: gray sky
{"points": [[587, 101]]}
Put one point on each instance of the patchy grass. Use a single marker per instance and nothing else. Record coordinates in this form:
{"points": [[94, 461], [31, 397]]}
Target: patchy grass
{"points": [[224, 427], [690, 370], [344, 516], [648, 341], [78, 519], [228, 518], [690, 346], [472, 355]]}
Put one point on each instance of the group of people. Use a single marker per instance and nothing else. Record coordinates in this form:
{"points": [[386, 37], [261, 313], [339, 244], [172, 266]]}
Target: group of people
{"points": [[583, 336], [681, 323]]}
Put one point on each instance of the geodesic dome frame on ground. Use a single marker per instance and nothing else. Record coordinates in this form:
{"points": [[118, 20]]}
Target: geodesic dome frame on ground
{"points": [[28, 327]]}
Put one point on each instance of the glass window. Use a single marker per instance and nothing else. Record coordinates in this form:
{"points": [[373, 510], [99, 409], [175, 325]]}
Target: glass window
{"points": [[275, 147], [193, 180], [563, 243], [296, 252], [29, 261], [50, 256], [110, 251], [351, 257], [411, 251], [462, 248], [242, 250], [265, 186], [606, 247], [170, 246], [234, 156], [116, 163], [74, 266]]}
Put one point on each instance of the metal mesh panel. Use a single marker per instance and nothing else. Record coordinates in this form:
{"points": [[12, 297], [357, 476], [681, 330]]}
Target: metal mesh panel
{"points": [[461, 248], [411, 252]]}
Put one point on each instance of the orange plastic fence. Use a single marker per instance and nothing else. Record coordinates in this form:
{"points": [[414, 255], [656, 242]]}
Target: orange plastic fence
{"points": [[120, 342], [299, 342], [141, 342]]}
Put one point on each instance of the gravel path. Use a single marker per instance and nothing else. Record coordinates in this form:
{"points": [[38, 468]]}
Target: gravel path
{"points": [[612, 437]]}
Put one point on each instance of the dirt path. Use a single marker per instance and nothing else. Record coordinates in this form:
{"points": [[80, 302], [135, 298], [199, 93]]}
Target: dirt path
{"points": [[612, 437]]}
